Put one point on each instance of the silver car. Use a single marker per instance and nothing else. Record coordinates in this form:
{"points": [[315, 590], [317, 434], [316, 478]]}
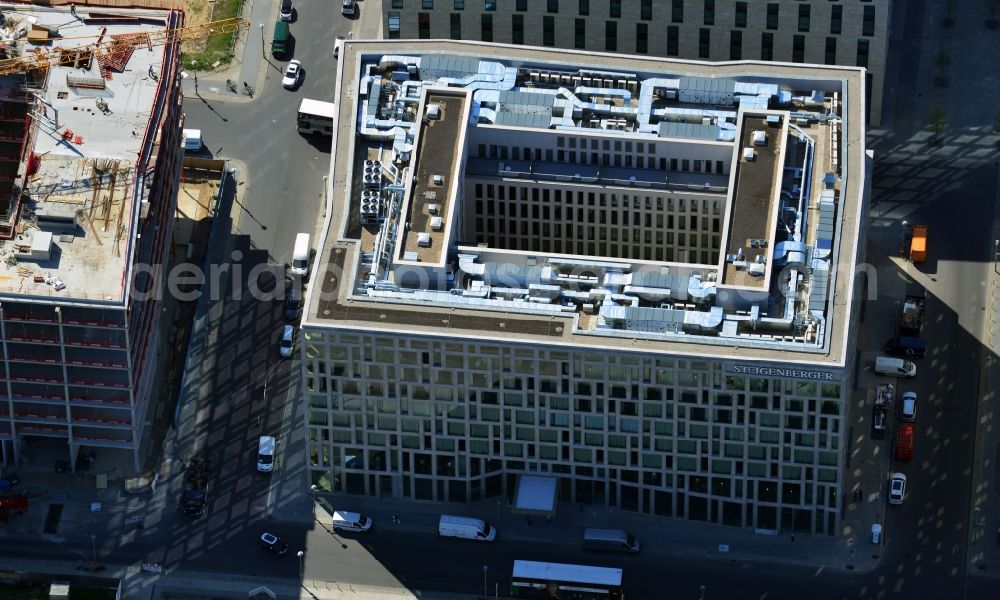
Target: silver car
{"points": [[897, 488]]}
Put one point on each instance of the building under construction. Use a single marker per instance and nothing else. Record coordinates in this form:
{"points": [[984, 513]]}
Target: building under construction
{"points": [[90, 157]]}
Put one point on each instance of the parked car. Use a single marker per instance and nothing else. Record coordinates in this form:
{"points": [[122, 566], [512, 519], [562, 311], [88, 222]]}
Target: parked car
{"points": [[906, 347], [908, 407], [285, 13], [272, 543], [287, 341], [293, 72], [897, 488], [348, 7], [876, 533]]}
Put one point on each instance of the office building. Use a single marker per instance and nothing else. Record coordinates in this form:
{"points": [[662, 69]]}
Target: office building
{"points": [[830, 32], [628, 276], [91, 148]]}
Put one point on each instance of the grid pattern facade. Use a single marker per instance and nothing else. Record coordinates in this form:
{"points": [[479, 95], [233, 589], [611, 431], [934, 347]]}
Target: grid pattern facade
{"points": [[647, 226], [454, 420], [843, 32]]}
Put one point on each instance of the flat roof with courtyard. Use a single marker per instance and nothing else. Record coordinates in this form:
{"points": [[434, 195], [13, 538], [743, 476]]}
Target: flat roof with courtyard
{"points": [[594, 201]]}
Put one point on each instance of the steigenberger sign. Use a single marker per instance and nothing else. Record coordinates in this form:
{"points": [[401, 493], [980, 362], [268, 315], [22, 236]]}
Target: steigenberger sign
{"points": [[787, 372]]}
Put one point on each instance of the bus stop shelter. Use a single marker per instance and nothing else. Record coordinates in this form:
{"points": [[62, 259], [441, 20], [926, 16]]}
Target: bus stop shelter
{"points": [[536, 496]]}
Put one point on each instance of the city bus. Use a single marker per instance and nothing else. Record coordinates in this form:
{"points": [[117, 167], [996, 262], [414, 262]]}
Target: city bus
{"points": [[315, 116], [553, 580]]}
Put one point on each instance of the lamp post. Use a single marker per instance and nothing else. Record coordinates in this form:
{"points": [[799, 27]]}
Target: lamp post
{"points": [[301, 556], [93, 543], [702, 590], [194, 68], [262, 53], [485, 569]]}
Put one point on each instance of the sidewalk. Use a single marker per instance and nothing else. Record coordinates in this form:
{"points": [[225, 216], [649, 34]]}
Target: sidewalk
{"points": [[658, 535], [984, 514]]}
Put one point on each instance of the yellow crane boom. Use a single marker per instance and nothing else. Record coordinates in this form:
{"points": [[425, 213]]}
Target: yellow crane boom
{"points": [[44, 58]]}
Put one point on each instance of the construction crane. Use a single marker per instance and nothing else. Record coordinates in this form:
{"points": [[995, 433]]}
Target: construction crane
{"points": [[45, 58]]}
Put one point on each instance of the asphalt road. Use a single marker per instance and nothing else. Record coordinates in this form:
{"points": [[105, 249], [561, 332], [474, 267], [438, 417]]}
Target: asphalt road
{"points": [[282, 186]]}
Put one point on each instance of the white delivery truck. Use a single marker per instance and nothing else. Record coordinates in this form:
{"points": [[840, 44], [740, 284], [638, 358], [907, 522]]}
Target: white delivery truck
{"points": [[192, 140], [265, 454], [466, 528], [300, 256]]}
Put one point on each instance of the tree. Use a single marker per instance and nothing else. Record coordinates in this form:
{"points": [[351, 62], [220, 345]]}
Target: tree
{"points": [[942, 60], [949, 12], [937, 123]]}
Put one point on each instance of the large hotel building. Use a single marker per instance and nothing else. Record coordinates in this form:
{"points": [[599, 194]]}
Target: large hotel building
{"points": [[830, 32], [628, 276], [90, 161]]}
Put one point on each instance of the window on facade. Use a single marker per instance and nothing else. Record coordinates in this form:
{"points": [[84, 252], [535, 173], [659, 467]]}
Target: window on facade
{"points": [[646, 10], [522, 5], [673, 41], [740, 15], [677, 11], [772, 16], [836, 18], [611, 36], [487, 28], [804, 17], [552, 6], [393, 25], [456, 26], [862, 53], [798, 48], [584, 8], [580, 34], [459, 4], [427, 4], [615, 10], [641, 38], [868, 22], [397, 3], [767, 46], [709, 12], [517, 29], [735, 45], [548, 31], [490, 4], [831, 51], [704, 42], [424, 25]]}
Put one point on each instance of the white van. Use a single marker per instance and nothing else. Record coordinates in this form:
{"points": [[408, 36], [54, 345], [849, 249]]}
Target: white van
{"points": [[300, 256], [895, 367], [265, 454], [466, 528], [350, 521], [609, 540], [192, 140]]}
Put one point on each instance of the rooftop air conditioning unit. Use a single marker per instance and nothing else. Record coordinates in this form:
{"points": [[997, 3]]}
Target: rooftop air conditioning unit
{"points": [[749, 154], [424, 240], [759, 138]]}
